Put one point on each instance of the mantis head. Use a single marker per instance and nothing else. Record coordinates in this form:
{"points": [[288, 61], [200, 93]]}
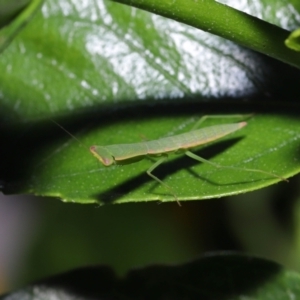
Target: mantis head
{"points": [[103, 155]]}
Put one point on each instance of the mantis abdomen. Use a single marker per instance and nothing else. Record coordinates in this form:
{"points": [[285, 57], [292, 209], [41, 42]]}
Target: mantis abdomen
{"points": [[127, 153]]}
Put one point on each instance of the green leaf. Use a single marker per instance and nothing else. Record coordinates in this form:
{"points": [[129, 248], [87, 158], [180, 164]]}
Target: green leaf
{"points": [[67, 170], [112, 74]]}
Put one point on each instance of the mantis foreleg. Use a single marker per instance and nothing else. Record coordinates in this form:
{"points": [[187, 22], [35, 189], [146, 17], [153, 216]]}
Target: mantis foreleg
{"points": [[154, 166]]}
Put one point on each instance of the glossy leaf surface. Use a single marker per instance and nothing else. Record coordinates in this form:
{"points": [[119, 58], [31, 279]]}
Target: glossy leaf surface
{"points": [[113, 74]]}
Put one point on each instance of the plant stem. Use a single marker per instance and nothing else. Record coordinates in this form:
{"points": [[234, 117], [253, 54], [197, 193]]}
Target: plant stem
{"points": [[7, 33], [224, 21]]}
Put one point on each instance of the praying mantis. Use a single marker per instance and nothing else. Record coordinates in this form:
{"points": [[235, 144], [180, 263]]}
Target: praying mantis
{"points": [[121, 154]]}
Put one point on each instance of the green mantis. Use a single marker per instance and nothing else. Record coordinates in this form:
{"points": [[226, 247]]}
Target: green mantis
{"points": [[163, 147]]}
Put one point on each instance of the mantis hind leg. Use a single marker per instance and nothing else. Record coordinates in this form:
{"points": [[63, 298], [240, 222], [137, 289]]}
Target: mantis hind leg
{"points": [[203, 160], [153, 167]]}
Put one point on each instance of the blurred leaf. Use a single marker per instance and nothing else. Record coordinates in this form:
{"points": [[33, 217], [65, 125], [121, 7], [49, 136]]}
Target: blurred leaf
{"points": [[77, 56], [223, 276], [293, 41]]}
